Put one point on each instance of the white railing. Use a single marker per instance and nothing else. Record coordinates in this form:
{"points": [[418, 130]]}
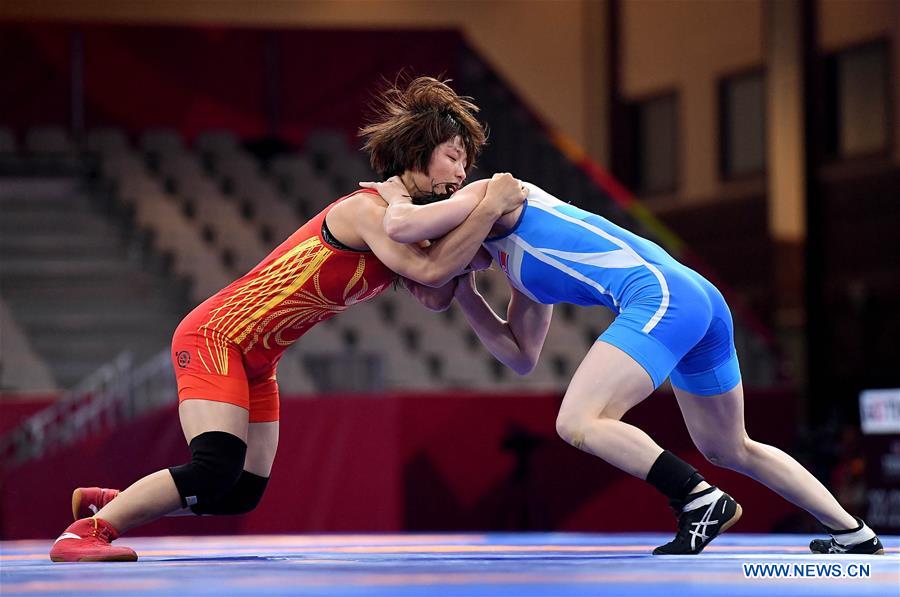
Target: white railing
{"points": [[117, 392]]}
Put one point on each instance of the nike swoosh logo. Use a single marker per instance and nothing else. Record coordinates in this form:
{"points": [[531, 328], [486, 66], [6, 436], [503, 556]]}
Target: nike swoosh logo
{"points": [[67, 536]]}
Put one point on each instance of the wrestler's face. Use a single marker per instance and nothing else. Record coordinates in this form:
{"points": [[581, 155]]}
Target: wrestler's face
{"points": [[446, 169]]}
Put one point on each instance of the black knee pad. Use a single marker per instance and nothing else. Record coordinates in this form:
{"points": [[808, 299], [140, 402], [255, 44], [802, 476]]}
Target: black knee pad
{"points": [[240, 499], [217, 460]]}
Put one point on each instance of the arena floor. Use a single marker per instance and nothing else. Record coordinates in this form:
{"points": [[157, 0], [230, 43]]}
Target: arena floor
{"points": [[442, 565]]}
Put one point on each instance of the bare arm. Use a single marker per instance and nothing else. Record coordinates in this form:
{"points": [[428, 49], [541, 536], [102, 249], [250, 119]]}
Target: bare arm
{"points": [[446, 258], [517, 341], [433, 299], [408, 223], [439, 299], [443, 260]]}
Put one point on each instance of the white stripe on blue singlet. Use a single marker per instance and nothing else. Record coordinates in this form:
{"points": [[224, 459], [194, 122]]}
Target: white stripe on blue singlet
{"points": [[638, 260], [617, 259], [543, 257]]}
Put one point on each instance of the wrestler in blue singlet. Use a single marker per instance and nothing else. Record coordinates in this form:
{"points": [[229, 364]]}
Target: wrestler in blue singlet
{"points": [[671, 320]]}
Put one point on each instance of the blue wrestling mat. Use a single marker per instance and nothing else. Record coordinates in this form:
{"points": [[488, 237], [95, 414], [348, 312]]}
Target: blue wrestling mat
{"points": [[521, 565]]}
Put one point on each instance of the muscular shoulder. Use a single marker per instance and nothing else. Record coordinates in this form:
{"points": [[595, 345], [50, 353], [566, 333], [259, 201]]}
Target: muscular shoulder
{"points": [[362, 208], [351, 219]]}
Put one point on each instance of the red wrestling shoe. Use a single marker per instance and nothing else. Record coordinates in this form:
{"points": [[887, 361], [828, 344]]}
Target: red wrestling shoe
{"points": [[88, 540], [87, 501]]}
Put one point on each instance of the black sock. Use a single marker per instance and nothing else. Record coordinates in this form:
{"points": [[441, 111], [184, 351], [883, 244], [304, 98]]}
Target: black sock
{"points": [[673, 477]]}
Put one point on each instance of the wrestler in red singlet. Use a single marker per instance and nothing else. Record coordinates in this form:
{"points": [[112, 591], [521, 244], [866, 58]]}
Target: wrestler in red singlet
{"points": [[225, 351], [227, 348]]}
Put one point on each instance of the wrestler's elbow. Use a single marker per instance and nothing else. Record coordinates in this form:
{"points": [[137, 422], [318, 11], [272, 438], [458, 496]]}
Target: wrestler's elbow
{"points": [[402, 225], [527, 356], [434, 279], [418, 271], [397, 229], [523, 365], [432, 275]]}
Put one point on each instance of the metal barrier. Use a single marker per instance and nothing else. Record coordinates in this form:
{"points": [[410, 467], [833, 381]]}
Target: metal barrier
{"points": [[117, 392]]}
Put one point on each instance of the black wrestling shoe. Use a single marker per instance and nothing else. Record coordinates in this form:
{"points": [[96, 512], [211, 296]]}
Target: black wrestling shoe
{"points": [[859, 540], [701, 517]]}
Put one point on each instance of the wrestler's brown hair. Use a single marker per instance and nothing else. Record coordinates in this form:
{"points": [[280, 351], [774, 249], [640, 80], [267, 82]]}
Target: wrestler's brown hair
{"points": [[411, 120]]}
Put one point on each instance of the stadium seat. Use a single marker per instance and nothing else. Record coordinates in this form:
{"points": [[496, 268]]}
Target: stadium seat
{"points": [[52, 140], [161, 141], [216, 142], [108, 141], [8, 143], [21, 369]]}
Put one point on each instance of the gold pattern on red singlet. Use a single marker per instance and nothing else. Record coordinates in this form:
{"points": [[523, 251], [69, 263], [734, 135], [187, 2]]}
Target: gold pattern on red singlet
{"points": [[300, 312], [284, 299], [305, 309], [246, 305]]}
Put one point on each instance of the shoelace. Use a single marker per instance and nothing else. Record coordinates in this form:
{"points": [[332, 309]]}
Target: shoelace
{"points": [[103, 533]]}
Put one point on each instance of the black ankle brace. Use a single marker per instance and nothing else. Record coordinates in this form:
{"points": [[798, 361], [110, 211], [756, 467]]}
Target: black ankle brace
{"points": [[673, 477]]}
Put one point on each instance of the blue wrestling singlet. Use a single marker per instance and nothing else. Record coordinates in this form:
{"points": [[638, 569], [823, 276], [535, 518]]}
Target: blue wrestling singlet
{"points": [[670, 319]]}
